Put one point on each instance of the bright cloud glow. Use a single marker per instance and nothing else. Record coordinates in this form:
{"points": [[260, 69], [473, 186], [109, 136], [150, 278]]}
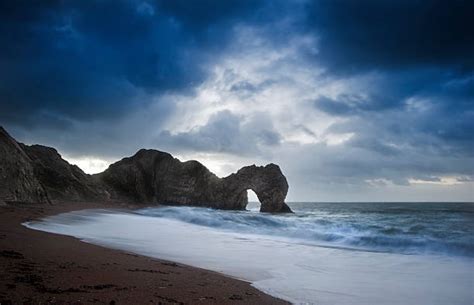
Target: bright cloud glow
{"points": [[89, 165], [440, 181]]}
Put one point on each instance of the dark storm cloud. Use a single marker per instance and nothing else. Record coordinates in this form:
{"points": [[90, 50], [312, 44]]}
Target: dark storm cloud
{"points": [[442, 109], [430, 139], [356, 36], [198, 13], [89, 59], [421, 102]]}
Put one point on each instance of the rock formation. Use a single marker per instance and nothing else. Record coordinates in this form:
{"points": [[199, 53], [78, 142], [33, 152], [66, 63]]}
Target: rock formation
{"points": [[18, 182], [38, 174], [152, 176], [268, 183], [61, 180]]}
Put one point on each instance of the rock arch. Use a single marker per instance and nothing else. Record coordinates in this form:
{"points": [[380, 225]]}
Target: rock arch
{"points": [[268, 183]]}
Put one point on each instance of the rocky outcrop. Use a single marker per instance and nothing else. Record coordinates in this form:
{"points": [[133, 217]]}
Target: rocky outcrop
{"points": [[152, 176], [156, 177], [61, 180], [268, 183], [38, 174], [18, 182]]}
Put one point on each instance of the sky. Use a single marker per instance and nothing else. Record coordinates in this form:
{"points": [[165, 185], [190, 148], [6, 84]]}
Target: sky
{"points": [[366, 100]]}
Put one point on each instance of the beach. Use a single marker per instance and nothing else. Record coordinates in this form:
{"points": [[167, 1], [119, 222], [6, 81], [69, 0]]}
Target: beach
{"points": [[324, 253], [43, 268]]}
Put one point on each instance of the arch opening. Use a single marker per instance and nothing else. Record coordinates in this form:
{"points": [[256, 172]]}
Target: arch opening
{"points": [[253, 203]]}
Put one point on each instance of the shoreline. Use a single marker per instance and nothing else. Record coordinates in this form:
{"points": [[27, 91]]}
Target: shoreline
{"points": [[39, 267]]}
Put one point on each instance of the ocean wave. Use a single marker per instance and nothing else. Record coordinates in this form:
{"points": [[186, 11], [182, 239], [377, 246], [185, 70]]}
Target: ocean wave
{"points": [[336, 227]]}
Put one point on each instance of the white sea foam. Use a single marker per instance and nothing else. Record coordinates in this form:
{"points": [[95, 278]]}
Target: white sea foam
{"points": [[291, 268]]}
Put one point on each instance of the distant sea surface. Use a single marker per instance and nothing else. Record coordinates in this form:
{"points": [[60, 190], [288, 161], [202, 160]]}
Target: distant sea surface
{"points": [[324, 253]]}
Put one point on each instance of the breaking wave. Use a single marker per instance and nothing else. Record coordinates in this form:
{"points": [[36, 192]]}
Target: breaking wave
{"points": [[408, 228]]}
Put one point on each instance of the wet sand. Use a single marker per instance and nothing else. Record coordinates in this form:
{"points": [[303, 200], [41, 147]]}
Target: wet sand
{"points": [[43, 268]]}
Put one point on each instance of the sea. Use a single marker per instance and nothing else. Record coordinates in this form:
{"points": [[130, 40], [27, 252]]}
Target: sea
{"points": [[324, 253]]}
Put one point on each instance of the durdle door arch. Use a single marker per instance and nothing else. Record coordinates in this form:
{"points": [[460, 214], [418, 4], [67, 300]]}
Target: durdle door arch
{"points": [[267, 182]]}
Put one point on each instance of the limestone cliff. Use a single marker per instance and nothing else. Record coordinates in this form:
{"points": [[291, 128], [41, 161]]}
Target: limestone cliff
{"points": [[152, 176], [38, 174], [268, 182], [18, 182], [61, 180]]}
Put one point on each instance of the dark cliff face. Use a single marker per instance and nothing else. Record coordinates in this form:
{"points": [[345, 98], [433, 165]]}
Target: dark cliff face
{"points": [[18, 182], [38, 174], [152, 176], [61, 180], [156, 177]]}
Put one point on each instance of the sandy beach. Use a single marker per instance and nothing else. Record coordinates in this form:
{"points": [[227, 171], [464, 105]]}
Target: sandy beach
{"points": [[42, 268]]}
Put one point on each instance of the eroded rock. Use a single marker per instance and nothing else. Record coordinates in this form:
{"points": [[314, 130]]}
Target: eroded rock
{"points": [[38, 174], [268, 183], [152, 176], [61, 180], [18, 182]]}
